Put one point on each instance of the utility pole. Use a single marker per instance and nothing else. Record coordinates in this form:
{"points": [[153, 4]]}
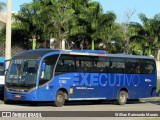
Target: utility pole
{"points": [[8, 32]]}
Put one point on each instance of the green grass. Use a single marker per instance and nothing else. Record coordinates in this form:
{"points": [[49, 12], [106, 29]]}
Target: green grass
{"points": [[147, 118], [158, 85]]}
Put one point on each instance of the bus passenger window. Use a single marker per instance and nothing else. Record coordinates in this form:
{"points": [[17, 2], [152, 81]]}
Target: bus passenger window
{"points": [[59, 67], [147, 66], [117, 65], [84, 64], [47, 74], [78, 66], [137, 69], [101, 64], [65, 64], [132, 66], [69, 65]]}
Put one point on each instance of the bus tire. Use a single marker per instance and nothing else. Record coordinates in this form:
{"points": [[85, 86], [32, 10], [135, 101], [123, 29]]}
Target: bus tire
{"points": [[7, 102], [153, 92], [122, 98], [60, 99], [33, 103]]}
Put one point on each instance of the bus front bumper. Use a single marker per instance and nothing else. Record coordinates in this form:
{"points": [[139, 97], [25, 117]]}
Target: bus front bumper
{"points": [[1, 89], [20, 96]]}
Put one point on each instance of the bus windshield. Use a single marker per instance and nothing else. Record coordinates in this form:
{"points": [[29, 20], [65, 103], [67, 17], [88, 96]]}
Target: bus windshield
{"points": [[22, 73]]}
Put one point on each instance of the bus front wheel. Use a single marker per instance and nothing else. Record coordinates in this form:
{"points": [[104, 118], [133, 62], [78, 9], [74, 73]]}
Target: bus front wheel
{"points": [[7, 102], [60, 99], [122, 98]]}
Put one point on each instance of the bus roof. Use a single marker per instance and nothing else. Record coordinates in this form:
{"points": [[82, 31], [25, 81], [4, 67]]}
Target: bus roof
{"points": [[38, 53], [129, 56], [33, 54]]}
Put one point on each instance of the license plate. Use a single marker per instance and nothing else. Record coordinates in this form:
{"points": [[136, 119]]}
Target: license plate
{"points": [[17, 96]]}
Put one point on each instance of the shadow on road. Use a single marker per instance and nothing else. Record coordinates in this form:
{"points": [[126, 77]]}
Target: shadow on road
{"points": [[1, 97]]}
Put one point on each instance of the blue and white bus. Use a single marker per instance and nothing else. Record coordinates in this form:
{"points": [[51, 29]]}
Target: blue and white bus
{"points": [[59, 75], [2, 72]]}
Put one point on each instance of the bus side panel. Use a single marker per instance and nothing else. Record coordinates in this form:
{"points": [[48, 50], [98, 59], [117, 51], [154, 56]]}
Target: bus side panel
{"points": [[148, 82], [116, 82], [92, 86], [137, 85], [47, 92], [97, 86], [82, 85]]}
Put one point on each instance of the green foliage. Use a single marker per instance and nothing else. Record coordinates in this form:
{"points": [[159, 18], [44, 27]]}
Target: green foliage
{"points": [[2, 35], [158, 85], [146, 34], [67, 20], [91, 23], [2, 27], [2, 5], [82, 23]]}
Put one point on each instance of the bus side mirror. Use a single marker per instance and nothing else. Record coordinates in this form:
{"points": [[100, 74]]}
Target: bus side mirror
{"points": [[43, 67]]}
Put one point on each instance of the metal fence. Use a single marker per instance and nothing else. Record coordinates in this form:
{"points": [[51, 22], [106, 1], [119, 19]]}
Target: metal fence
{"points": [[18, 47]]}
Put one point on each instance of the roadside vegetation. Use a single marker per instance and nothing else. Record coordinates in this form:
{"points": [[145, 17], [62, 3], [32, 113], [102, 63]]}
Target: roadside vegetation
{"points": [[158, 85]]}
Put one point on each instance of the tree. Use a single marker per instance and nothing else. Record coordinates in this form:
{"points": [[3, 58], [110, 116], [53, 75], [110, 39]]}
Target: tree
{"points": [[147, 34], [90, 22], [125, 29], [2, 5], [2, 25], [80, 21], [44, 26], [78, 34], [113, 38], [26, 19], [60, 16], [98, 22]]}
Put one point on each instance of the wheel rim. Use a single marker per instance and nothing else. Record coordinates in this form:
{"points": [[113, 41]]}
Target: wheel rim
{"points": [[122, 97], [59, 98]]}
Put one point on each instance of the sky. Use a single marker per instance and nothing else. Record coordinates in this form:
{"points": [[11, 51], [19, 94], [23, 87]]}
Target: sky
{"points": [[119, 7]]}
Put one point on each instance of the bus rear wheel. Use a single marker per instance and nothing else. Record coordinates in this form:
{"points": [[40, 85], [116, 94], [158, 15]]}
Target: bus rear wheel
{"points": [[60, 99], [122, 98]]}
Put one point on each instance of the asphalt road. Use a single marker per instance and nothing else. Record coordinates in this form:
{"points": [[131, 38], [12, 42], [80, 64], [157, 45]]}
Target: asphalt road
{"points": [[142, 105], [85, 106]]}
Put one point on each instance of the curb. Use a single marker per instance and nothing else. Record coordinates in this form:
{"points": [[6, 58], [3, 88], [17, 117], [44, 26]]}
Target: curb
{"points": [[150, 99], [1, 102]]}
